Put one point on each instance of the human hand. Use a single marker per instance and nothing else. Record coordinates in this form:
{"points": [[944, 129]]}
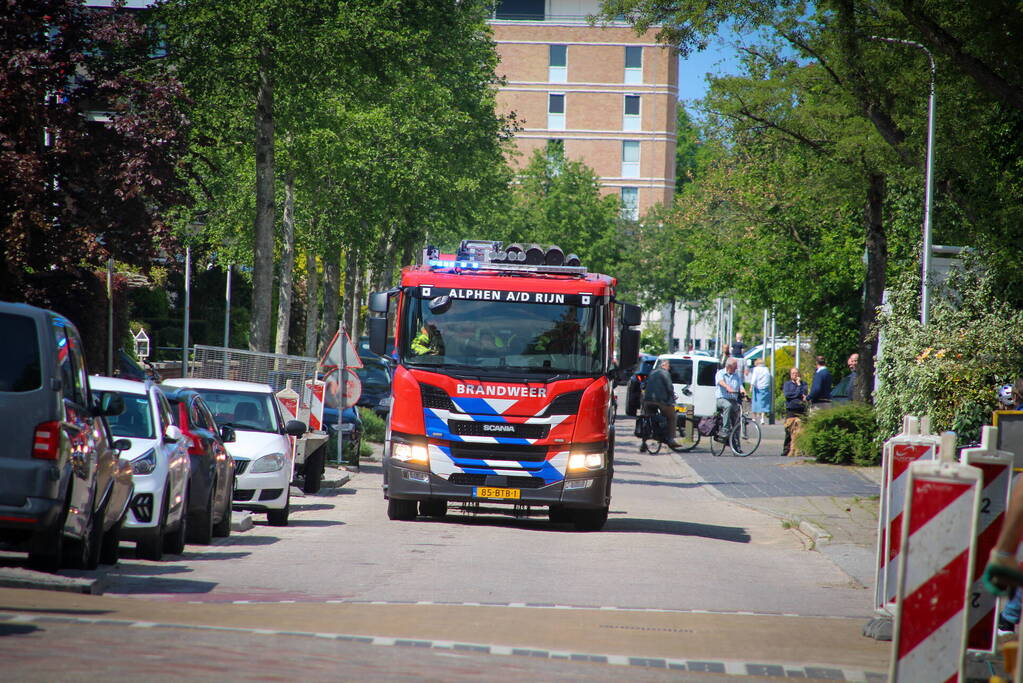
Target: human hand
{"points": [[1002, 573]]}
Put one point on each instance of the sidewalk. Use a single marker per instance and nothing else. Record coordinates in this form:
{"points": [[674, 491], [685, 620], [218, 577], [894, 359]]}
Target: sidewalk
{"points": [[836, 507]]}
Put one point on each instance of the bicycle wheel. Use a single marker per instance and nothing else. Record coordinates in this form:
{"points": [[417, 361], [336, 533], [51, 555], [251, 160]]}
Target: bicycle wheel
{"points": [[717, 444], [746, 437], [688, 434]]}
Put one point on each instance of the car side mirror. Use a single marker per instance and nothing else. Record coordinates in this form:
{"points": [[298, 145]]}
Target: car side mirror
{"points": [[687, 391], [227, 434], [172, 434], [122, 444], [295, 428]]}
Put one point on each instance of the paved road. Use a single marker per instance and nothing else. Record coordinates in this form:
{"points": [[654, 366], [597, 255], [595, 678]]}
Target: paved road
{"points": [[681, 577]]}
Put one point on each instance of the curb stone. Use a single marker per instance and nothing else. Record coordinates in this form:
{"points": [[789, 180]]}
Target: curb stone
{"points": [[17, 577], [241, 520]]}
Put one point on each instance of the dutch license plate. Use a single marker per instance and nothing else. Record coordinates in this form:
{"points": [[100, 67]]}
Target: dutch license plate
{"points": [[491, 492]]}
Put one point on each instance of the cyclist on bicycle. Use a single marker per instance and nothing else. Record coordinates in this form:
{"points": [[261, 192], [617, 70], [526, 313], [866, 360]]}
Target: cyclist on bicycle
{"points": [[729, 391], [659, 396]]}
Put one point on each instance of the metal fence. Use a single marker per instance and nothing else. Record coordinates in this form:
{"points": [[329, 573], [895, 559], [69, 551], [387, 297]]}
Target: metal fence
{"points": [[275, 369]]}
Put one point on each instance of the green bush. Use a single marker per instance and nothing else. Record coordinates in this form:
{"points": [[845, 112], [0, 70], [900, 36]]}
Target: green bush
{"points": [[365, 450], [842, 435], [372, 426]]}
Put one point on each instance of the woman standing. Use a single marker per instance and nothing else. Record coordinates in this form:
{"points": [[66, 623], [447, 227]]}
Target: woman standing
{"points": [[760, 382], [795, 405]]}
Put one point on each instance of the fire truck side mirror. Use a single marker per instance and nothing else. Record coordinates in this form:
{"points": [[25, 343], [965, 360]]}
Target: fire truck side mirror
{"points": [[378, 334], [632, 315], [629, 350], [378, 302]]}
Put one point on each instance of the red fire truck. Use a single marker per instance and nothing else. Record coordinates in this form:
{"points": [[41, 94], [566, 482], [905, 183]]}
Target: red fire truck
{"points": [[502, 399]]}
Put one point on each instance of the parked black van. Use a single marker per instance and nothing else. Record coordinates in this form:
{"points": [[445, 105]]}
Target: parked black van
{"points": [[63, 490]]}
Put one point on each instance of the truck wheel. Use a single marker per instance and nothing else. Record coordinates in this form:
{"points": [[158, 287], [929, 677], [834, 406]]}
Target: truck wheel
{"points": [[313, 472], [280, 517], [437, 508], [401, 510], [589, 520]]}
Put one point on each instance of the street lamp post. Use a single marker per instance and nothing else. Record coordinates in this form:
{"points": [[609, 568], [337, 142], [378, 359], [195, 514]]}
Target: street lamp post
{"points": [[925, 266]]}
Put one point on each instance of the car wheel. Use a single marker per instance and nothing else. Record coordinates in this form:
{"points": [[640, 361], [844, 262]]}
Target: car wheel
{"points": [[589, 520], [401, 510], [46, 554], [280, 517], [436, 508], [200, 526], [222, 528], [110, 548], [84, 553], [313, 472], [174, 542]]}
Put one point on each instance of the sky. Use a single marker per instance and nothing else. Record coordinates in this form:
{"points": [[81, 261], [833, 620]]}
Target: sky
{"points": [[720, 58]]}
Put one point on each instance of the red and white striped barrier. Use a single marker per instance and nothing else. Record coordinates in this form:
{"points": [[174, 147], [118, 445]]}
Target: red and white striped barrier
{"points": [[910, 428], [288, 398], [935, 569], [314, 399], [905, 450], [996, 476]]}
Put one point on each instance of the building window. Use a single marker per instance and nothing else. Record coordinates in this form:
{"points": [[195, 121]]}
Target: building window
{"points": [[520, 10], [632, 120], [557, 68], [630, 203], [555, 111], [630, 159], [634, 64]]}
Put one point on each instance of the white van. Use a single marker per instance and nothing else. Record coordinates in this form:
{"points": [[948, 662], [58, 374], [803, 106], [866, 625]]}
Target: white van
{"points": [[692, 376]]}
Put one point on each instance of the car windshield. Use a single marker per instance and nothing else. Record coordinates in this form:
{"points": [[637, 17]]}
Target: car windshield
{"points": [[19, 354], [137, 419], [244, 410], [506, 336], [373, 375]]}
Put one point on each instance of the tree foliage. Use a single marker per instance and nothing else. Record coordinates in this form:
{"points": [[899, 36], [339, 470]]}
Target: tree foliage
{"points": [[91, 139]]}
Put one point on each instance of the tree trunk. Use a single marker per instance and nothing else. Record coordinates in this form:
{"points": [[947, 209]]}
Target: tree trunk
{"points": [[312, 305], [877, 264], [331, 285], [287, 266], [263, 252], [351, 276], [360, 296]]}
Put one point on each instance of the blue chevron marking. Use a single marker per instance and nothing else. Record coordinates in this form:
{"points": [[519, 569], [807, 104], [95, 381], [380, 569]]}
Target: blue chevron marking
{"points": [[435, 425], [476, 406]]}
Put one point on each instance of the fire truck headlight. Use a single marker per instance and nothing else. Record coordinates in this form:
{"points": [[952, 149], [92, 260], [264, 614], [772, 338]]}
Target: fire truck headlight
{"points": [[416, 453], [585, 461]]}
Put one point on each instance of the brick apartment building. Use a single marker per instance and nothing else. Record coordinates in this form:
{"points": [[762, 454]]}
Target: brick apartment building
{"points": [[606, 95]]}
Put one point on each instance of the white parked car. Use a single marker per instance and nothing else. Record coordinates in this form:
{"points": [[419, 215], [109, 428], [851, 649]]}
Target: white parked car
{"points": [[263, 449], [160, 467]]}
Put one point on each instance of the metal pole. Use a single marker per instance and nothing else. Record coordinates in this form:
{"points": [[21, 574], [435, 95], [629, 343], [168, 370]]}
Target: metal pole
{"points": [[798, 345], [717, 328], [188, 305], [227, 320], [925, 261], [773, 376], [110, 317]]}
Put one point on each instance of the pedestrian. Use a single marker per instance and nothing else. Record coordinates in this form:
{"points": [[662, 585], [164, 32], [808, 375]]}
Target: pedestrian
{"points": [[659, 396], [853, 363], [760, 385], [738, 352], [729, 390], [1004, 552], [820, 389], [794, 390]]}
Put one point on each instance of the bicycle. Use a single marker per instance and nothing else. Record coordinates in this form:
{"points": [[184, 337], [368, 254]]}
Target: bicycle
{"points": [[743, 437]]}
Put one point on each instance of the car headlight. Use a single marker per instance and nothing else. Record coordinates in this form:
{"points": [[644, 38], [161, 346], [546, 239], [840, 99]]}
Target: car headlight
{"points": [[145, 463], [586, 457], [406, 452], [269, 463]]}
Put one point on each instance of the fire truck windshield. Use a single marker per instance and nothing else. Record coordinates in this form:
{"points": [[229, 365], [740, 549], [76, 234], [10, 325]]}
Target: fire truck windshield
{"points": [[505, 336]]}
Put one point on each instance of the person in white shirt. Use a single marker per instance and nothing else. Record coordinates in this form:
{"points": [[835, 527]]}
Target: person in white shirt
{"points": [[729, 390], [760, 383]]}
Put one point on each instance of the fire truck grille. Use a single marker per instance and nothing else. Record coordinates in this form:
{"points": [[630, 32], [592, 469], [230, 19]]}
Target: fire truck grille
{"points": [[498, 429], [435, 397], [486, 451], [465, 479]]}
